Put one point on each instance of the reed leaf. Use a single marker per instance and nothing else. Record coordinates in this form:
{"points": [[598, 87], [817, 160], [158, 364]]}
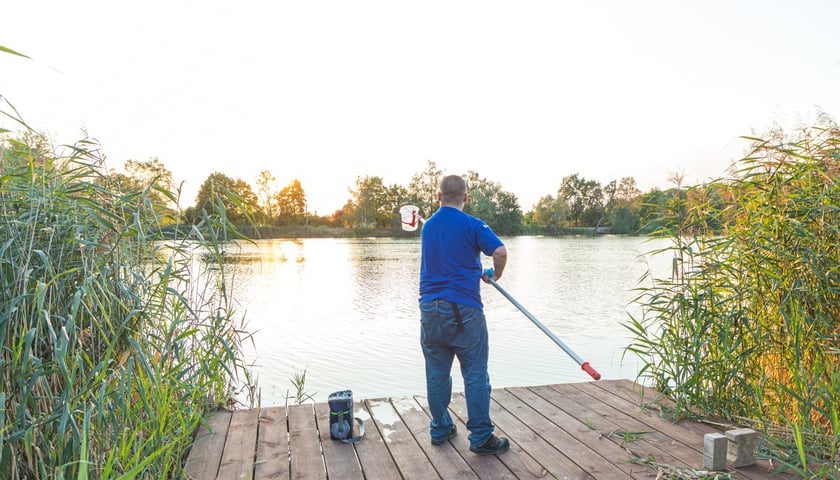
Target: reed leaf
{"points": [[117, 334], [745, 328]]}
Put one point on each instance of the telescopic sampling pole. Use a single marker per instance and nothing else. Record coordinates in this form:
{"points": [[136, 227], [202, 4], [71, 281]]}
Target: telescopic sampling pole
{"points": [[583, 365]]}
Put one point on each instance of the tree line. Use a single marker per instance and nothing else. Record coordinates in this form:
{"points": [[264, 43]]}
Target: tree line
{"points": [[578, 205]]}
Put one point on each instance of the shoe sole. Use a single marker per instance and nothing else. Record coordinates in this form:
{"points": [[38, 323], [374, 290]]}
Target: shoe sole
{"points": [[494, 452], [482, 451], [449, 436]]}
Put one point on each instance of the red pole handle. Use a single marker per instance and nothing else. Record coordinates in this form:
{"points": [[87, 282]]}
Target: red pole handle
{"points": [[586, 367]]}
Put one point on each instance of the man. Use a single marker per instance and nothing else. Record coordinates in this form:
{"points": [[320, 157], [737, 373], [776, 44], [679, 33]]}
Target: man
{"points": [[452, 315]]}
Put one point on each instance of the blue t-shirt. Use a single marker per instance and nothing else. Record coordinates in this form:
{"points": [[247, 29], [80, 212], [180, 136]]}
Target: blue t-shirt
{"points": [[450, 261]]}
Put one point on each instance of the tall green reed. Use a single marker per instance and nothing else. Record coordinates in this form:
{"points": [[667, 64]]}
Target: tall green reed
{"points": [[116, 335], [746, 326]]}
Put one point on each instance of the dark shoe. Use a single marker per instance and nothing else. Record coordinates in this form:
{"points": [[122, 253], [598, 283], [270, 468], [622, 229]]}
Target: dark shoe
{"points": [[493, 446], [452, 432]]}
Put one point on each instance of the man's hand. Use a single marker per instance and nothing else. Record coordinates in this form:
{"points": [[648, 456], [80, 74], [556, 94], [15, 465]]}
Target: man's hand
{"points": [[487, 275]]}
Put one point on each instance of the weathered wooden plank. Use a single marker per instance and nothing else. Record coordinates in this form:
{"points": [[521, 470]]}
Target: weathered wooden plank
{"points": [[592, 416], [687, 437], [583, 433], [339, 457], [373, 455], [206, 452], [410, 459], [648, 399], [637, 394], [489, 467], [629, 395], [272, 461], [648, 415], [304, 445], [557, 431], [627, 430], [538, 416], [238, 457], [518, 461], [552, 459], [444, 458]]}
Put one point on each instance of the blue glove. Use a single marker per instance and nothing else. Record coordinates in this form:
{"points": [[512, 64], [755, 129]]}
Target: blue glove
{"points": [[490, 273]]}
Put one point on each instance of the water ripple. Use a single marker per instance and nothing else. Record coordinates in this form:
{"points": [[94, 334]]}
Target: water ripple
{"points": [[347, 313]]}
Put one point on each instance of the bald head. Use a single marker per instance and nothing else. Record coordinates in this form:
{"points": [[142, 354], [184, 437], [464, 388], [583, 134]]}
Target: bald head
{"points": [[453, 191]]}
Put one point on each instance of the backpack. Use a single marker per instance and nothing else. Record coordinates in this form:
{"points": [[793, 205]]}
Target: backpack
{"points": [[341, 417]]}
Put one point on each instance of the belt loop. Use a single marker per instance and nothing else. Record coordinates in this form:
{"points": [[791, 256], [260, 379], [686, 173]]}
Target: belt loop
{"points": [[457, 317]]}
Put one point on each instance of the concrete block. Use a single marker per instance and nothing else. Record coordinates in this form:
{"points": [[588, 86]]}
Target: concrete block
{"points": [[742, 445], [714, 451]]}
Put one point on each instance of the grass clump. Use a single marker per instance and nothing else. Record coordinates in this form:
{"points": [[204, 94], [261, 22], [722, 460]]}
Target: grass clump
{"points": [[746, 328], [115, 336]]}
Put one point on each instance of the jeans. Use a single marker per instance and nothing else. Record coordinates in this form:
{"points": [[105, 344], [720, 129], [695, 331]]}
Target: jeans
{"points": [[441, 341]]}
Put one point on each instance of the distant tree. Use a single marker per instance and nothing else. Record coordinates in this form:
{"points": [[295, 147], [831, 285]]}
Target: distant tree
{"points": [[346, 217], [29, 146], [153, 176], [584, 199], [627, 189], [236, 195], [608, 203], [265, 190], [149, 183], [550, 215], [370, 203], [624, 206], [658, 209], [291, 203], [624, 220], [497, 208], [396, 197], [423, 188], [148, 172]]}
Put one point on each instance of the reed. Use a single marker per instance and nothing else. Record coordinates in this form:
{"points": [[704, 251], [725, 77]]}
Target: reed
{"points": [[745, 329], [116, 336]]}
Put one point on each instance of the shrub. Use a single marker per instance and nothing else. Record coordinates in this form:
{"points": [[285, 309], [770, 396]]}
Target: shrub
{"points": [[116, 338], [746, 328]]}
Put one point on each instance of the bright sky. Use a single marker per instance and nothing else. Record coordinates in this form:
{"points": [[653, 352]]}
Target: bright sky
{"points": [[524, 93]]}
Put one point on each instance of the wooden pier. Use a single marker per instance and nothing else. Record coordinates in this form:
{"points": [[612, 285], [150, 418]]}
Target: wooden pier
{"points": [[597, 430]]}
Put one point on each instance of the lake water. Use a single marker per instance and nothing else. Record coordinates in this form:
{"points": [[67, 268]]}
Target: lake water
{"points": [[345, 311]]}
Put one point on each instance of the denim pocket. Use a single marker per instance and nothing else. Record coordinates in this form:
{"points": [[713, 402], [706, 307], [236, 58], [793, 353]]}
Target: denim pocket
{"points": [[439, 324], [473, 331]]}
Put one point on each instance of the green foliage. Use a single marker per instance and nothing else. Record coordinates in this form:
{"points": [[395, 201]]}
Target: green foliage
{"points": [[115, 337], [581, 207], [624, 220], [496, 207], [266, 193], [583, 199], [149, 182], [623, 207], [298, 380], [746, 327], [374, 205], [370, 203], [290, 203], [657, 210], [231, 196], [423, 189]]}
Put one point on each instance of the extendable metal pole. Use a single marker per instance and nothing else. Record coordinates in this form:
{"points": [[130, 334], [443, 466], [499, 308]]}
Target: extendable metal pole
{"points": [[583, 365]]}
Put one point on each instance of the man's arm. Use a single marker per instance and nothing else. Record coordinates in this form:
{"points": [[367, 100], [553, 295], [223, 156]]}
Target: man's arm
{"points": [[499, 262]]}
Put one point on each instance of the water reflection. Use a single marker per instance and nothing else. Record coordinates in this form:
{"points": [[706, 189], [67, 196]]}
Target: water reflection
{"points": [[345, 311]]}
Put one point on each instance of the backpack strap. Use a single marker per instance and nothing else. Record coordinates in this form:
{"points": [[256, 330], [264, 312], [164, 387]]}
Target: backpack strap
{"points": [[360, 435]]}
